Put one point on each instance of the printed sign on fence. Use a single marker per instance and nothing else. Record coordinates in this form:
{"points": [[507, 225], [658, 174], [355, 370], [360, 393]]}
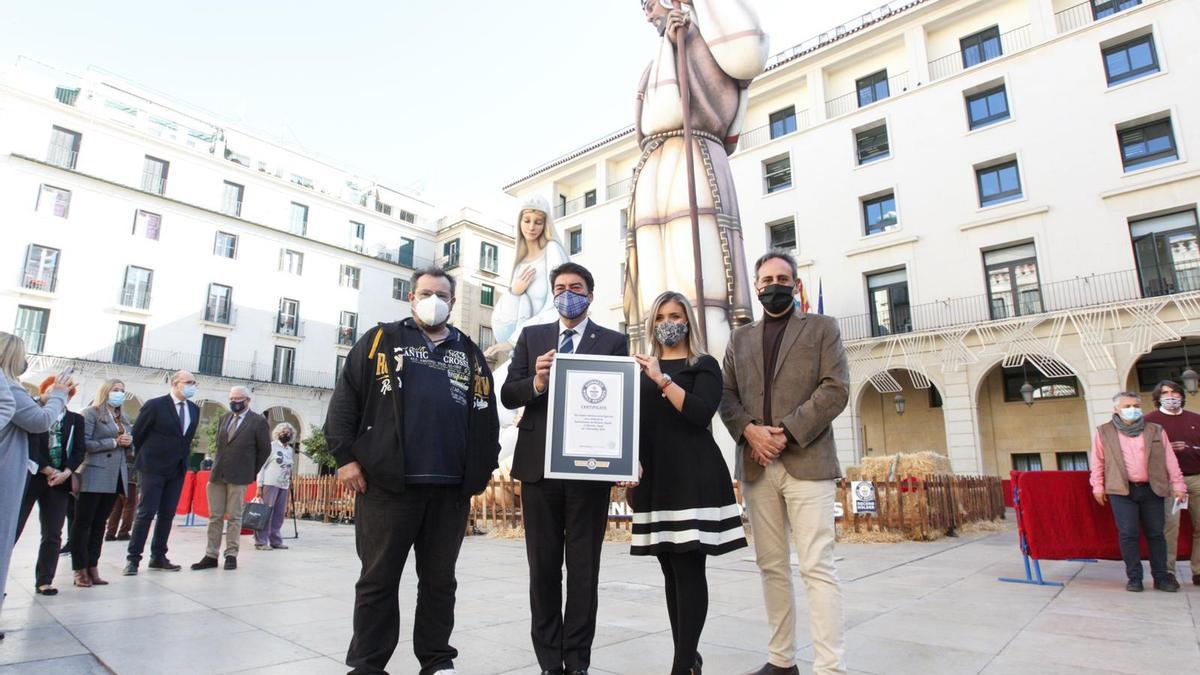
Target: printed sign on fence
{"points": [[862, 494]]}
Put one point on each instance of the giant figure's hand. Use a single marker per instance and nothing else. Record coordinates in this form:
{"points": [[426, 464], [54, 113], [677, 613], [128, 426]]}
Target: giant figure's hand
{"points": [[521, 283]]}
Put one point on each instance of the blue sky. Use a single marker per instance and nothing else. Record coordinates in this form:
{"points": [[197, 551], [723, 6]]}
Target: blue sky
{"points": [[453, 98]]}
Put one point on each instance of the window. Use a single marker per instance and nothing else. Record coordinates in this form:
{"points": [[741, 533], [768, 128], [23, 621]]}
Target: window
{"points": [[358, 236], [349, 277], [299, 221], [1026, 461], [291, 262], [1043, 387], [231, 200], [487, 295], [1012, 281], [777, 174], [283, 368], [575, 241], [783, 122], [339, 365], [53, 201], [401, 288], [212, 355], [623, 224], [1103, 8], [1072, 461], [1167, 251], [998, 183], [408, 217], [589, 198], [783, 234], [406, 251], [127, 350], [872, 143], [1148, 145], [489, 257], [982, 46], [450, 253], [225, 245], [288, 320], [987, 107], [41, 268], [872, 88], [486, 337], [136, 292], [64, 147], [219, 306], [1130, 60], [879, 214], [888, 299], [31, 327], [347, 329], [154, 175], [385, 209], [148, 224]]}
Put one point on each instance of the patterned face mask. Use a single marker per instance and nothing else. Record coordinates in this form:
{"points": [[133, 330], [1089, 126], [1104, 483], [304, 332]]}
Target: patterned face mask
{"points": [[570, 305], [670, 333]]}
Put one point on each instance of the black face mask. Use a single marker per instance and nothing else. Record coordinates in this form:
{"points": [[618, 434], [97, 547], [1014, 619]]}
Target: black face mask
{"points": [[237, 406], [285, 438], [777, 298]]}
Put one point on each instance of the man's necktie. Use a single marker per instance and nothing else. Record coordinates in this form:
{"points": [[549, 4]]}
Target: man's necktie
{"points": [[567, 346], [182, 418], [233, 425]]}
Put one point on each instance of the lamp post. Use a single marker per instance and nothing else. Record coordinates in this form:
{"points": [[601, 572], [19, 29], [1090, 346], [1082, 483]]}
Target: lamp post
{"points": [[1026, 389], [899, 401], [1191, 381]]}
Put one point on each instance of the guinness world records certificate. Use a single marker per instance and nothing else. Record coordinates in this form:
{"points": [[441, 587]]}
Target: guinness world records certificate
{"points": [[592, 425]]}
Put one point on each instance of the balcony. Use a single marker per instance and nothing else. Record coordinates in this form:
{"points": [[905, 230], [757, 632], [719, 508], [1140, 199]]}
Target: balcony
{"points": [[1014, 41], [66, 96], [619, 188], [762, 135], [61, 156], [287, 325], [44, 282], [154, 183], [232, 207], [218, 312], [346, 335], [170, 361], [848, 103], [1087, 12], [574, 206], [1078, 293]]}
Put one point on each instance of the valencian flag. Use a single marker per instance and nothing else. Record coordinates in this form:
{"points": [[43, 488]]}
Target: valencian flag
{"points": [[802, 299]]}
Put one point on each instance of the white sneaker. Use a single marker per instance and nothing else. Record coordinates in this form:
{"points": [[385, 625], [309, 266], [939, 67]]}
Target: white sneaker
{"points": [[448, 671]]}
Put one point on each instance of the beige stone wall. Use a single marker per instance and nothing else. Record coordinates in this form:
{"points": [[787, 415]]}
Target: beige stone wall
{"points": [[885, 432], [1046, 427]]}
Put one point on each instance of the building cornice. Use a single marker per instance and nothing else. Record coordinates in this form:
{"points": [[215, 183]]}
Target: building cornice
{"points": [[996, 220], [1146, 185], [881, 245]]}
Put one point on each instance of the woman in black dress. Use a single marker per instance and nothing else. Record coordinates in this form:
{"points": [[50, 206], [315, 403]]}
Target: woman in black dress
{"points": [[684, 508]]}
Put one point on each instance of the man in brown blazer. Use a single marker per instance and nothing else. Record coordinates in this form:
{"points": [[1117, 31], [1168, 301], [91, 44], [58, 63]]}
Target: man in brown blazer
{"points": [[243, 445], [786, 379]]}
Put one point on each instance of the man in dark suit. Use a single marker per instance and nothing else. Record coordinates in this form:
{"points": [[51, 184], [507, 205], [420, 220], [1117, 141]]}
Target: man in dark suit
{"points": [[243, 444], [162, 436], [560, 515]]}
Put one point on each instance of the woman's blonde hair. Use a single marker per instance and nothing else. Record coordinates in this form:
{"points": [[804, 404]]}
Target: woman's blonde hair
{"points": [[695, 349], [12, 355], [102, 392], [282, 427], [537, 205]]}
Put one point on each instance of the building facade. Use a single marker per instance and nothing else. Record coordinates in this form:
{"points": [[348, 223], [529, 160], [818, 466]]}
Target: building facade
{"points": [[143, 236], [994, 198], [478, 251]]}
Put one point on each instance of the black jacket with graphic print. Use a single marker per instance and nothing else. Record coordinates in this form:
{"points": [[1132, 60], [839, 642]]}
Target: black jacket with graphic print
{"points": [[365, 421]]}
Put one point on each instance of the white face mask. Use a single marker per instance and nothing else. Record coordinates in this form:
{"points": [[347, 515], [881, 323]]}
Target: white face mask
{"points": [[432, 311]]}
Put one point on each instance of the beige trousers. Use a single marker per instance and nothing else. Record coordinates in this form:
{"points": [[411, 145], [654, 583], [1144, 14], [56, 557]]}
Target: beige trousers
{"points": [[1171, 527], [775, 501], [225, 500]]}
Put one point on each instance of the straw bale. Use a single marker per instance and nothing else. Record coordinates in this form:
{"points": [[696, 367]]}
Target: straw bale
{"points": [[908, 464]]}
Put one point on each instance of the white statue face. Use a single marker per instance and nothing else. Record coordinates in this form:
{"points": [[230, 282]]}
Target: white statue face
{"points": [[533, 224], [656, 15]]}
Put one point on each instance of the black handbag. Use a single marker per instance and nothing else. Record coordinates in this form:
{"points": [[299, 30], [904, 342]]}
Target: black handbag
{"points": [[256, 516]]}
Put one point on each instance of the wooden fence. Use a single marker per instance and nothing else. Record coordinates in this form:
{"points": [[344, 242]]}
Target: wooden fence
{"points": [[321, 498]]}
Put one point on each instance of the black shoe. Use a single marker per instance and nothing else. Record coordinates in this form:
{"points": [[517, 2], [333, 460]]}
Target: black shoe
{"points": [[552, 672], [110, 537], [66, 549], [1134, 586], [230, 562], [1168, 585], [130, 569], [206, 563], [770, 669], [123, 537], [164, 565], [577, 672], [1196, 579], [696, 668]]}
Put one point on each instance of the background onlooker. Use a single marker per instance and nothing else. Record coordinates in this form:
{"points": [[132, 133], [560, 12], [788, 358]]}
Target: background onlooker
{"points": [[274, 484]]}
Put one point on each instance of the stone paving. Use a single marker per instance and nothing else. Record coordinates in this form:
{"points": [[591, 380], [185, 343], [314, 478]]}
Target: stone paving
{"points": [[910, 608]]}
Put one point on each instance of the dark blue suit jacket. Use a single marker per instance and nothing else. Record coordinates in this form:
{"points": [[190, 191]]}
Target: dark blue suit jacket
{"points": [[162, 446]]}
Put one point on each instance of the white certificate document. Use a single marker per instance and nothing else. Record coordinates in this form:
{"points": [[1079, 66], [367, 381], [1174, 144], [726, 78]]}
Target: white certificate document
{"points": [[592, 423]]}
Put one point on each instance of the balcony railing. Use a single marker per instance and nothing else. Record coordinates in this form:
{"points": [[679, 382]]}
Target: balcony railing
{"points": [[39, 283], [1014, 41], [287, 325], [66, 96], [567, 208], [346, 335], [60, 156], [1077, 293], [848, 103], [210, 365], [218, 312], [154, 183], [135, 298], [761, 135], [35, 340], [232, 207], [1085, 13], [619, 188]]}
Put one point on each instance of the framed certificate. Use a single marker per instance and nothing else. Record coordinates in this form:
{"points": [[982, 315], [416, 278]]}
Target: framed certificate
{"points": [[592, 424]]}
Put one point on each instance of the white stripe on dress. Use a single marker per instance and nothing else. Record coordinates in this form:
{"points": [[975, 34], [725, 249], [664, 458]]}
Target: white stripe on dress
{"points": [[686, 536], [713, 513]]}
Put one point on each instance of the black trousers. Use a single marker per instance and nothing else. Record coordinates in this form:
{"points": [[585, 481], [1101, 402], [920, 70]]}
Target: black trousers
{"points": [[68, 545], [687, 604], [87, 533], [564, 518], [1142, 507], [52, 511], [159, 497], [431, 520]]}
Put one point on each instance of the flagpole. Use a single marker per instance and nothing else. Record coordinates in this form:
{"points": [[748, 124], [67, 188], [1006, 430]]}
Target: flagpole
{"points": [[686, 101]]}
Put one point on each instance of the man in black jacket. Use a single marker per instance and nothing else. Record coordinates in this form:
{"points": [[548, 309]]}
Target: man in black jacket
{"points": [[561, 516], [163, 436], [413, 426]]}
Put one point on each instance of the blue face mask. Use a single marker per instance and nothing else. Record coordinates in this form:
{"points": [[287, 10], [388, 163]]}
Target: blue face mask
{"points": [[571, 305], [1131, 414], [189, 390], [116, 398]]}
